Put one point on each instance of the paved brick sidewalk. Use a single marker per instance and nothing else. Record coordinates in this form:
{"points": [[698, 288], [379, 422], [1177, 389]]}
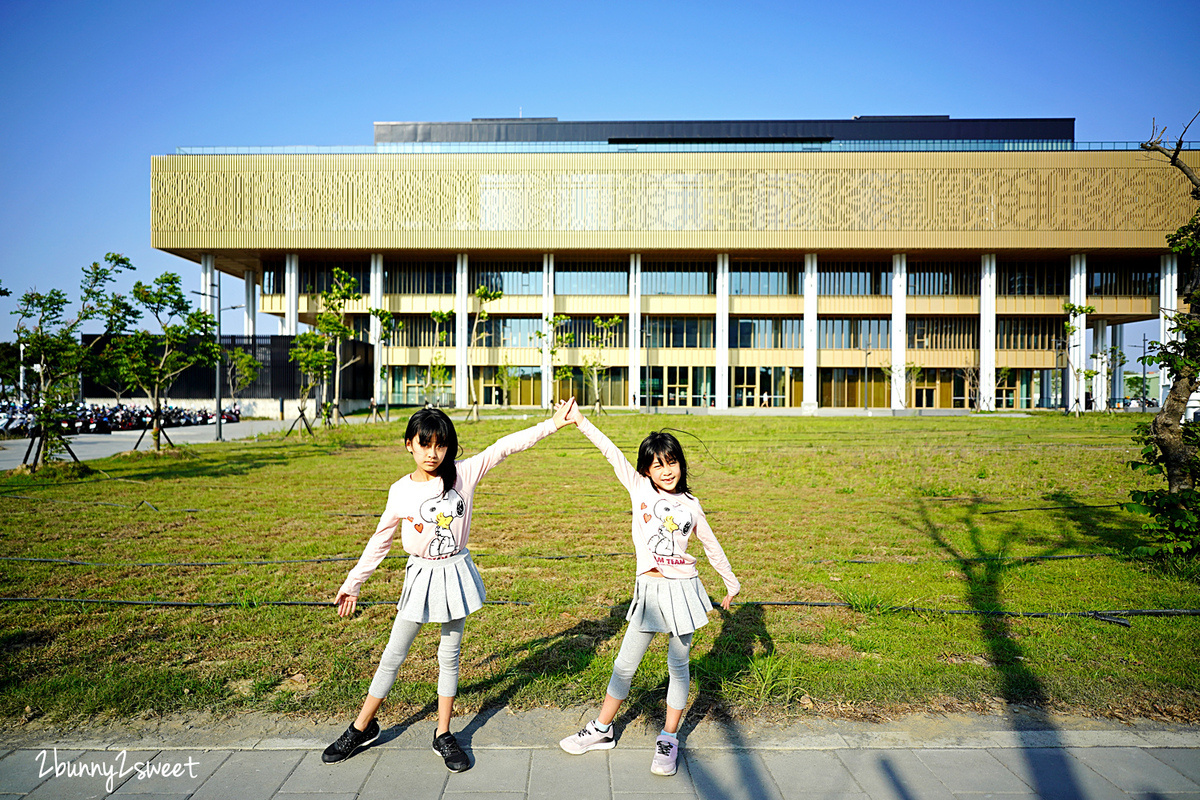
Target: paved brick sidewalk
{"points": [[515, 756]]}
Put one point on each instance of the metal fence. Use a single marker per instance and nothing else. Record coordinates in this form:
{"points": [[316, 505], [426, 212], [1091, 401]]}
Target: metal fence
{"points": [[278, 377]]}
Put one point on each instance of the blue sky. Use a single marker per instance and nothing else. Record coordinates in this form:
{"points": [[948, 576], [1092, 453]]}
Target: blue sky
{"points": [[90, 91]]}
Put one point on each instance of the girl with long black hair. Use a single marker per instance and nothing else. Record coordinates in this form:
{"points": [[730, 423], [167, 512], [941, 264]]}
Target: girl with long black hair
{"points": [[431, 508]]}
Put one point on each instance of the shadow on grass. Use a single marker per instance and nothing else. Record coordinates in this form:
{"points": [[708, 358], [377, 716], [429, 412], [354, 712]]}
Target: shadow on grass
{"points": [[1085, 525], [244, 461], [569, 651], [14, 669], [729, 659], [984, 569]]}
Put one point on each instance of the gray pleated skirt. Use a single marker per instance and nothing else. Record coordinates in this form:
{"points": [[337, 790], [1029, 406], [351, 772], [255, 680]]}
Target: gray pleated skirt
{"points": [[440, 590], [668, 605]]}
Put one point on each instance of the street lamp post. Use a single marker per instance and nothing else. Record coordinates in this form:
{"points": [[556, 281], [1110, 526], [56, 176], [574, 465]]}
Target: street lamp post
{"points": [[1142, 359], [866, 348], [1144, 387], [217, 297], [1060, 350]]}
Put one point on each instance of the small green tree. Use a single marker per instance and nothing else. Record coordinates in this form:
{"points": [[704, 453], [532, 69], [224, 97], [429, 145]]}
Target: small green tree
{"points": [[593, 363], [1109, 359], [389, 326], [485, 296], [1002, 376], [1073, 312], [106, 371], [10, 371], [332, 325], [152, 361], [241, 370], [56, 355], [912, 376], [1136, 386], [558, 341], [438, 373], [508, 377], [309, 352]]}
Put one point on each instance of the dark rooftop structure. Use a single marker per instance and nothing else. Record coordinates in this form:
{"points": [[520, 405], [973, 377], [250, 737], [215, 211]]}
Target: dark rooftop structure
{"points": [[860, 129]]}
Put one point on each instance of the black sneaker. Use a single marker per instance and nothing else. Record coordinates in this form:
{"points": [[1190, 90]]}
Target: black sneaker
{"points": [[447, 747], [350, 741]]}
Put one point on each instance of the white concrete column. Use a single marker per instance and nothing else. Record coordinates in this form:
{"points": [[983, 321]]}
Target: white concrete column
{"points": [[899, 329], [462, 329], [291, 294], [1117, 386], [208, 288], [250, 312], [1076, 388], [987, 332], [547, 343], [721, 332], [1168, 304], [1100, 357], [808, 403], [376, 333], [635, 330]]}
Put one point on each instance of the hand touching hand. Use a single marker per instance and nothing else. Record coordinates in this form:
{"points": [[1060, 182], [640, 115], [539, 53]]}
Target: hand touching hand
{"points": [[574, 416], [562, 411]]}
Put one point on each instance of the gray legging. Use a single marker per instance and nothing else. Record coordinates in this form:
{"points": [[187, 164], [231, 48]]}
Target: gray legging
{"points": [[633, 648], [403, 633]]}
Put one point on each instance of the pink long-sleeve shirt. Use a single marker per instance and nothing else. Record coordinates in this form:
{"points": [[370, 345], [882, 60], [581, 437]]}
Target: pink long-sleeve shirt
{"points": [[663, 522], [433, 525]]}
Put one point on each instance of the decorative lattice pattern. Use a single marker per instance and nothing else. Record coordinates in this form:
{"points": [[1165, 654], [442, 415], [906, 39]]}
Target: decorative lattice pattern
{"points": [[259, 196]]}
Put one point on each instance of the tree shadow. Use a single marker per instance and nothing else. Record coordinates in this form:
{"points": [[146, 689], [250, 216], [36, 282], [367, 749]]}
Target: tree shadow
{"points": [[248, 461], [13, 671], [984, 570], [730, 658], [1092, 525]]}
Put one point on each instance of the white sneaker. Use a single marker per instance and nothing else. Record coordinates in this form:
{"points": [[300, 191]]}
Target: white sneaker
{"points": [[590, 738], [666, 753]]}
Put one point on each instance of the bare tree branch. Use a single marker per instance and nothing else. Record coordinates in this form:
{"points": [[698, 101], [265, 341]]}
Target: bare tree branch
{"points": [[1155, 145]]}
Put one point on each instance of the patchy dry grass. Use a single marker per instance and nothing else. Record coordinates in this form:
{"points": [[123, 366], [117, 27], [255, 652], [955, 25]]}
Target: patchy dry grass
{"points": [[876, 513]]}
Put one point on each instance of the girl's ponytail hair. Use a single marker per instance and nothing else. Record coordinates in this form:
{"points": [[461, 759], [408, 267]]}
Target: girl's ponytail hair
{"points": [[428, 425], [666, 447]]}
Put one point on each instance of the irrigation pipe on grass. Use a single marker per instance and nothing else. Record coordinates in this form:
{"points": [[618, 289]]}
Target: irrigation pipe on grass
{"points": [[70, 562], [1115, 617], [222, 604]]}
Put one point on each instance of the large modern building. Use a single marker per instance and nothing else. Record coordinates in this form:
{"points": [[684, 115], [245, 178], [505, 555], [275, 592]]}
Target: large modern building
{"points": [[885, 262]]}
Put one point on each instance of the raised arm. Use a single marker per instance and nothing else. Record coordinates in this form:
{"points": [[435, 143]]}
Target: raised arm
{"points": [[472, 469], [626, 474]]}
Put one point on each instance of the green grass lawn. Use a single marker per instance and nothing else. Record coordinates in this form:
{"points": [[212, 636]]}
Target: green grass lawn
{"points": [[937, 513]]}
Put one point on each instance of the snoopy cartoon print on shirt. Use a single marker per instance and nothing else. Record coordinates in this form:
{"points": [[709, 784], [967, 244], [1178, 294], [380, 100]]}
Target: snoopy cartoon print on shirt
{"points": [[674, 520], [442, 511]]}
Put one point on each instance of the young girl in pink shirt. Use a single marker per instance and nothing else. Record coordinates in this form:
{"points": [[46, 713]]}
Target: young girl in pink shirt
{"points": [[431, 508], [668, 596]]}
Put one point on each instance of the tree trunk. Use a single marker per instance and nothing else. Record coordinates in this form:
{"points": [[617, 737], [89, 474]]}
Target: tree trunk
{"points": [[155, 432], [1166, 430], [337, 382], [1167, 434]]}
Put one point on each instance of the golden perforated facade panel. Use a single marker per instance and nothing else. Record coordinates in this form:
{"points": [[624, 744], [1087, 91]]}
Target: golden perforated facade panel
{"points": [[669, 201]]}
